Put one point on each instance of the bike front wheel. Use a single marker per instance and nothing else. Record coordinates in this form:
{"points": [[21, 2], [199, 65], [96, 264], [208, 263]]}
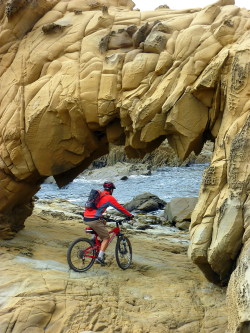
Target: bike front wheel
{"points": [[81, 255], [123, 252]]}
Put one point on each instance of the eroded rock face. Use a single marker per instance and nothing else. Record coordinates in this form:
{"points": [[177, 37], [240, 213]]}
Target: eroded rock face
{"points": [[78, 75]]}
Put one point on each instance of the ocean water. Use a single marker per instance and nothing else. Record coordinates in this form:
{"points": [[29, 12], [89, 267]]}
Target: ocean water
{"points": [[166, 182]]}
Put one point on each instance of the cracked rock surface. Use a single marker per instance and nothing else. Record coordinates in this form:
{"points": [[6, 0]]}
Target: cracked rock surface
{"points": [[162, 291]]}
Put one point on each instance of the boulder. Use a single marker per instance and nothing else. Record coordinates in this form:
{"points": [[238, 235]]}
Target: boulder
{"points": [[50, 180], [184, 225], [149, 206], [145, 202], [155, 42], [180, 209]]}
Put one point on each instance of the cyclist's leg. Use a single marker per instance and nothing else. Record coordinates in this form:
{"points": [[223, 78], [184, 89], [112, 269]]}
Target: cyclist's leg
{"points": [[104, 244], [102, 231], [104, 235]]}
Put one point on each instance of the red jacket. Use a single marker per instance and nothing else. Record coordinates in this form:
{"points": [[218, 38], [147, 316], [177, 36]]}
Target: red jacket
{"points": [[106, 201]]}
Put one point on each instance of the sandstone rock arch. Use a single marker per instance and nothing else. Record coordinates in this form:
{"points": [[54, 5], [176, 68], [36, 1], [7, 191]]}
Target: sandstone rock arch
{"points": [[77, 75]]}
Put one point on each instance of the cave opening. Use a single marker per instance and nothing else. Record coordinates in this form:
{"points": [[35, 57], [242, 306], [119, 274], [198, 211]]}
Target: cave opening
{"points": [[159, 172]]}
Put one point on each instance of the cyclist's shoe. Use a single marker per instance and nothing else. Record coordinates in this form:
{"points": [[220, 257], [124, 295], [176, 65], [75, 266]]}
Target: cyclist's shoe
{"points": [[100, 261]]}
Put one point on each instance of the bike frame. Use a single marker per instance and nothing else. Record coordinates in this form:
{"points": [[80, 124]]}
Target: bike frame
{"points": [[114, 232]]}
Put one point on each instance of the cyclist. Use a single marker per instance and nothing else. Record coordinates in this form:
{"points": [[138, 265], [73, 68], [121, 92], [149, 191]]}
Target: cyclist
{"points": [[94, 217]]}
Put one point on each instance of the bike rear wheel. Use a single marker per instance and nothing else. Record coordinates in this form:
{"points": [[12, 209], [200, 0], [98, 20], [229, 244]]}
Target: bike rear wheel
{"points": [[81, 255], [123, 252]]}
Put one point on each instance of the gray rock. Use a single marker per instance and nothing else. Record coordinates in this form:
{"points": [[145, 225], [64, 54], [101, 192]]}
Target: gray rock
{"points": [[146, 202], [180, 209], [149, 206], [50, 180], [155, 42], [183, 225]]}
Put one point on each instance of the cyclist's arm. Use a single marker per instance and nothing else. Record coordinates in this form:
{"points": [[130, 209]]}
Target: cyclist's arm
{"points": [[115, 204]]}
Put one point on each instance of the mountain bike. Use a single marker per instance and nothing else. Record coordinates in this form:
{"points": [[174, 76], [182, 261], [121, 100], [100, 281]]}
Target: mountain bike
{"points": [[82, 252]]}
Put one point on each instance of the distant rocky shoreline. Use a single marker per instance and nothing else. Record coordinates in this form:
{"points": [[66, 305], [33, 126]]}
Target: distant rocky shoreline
{"points": [[118, 166], [162, 156]]}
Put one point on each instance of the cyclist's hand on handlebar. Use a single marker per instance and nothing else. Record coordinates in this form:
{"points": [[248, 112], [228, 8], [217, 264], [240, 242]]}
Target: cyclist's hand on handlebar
{"points": [[130, 217]]}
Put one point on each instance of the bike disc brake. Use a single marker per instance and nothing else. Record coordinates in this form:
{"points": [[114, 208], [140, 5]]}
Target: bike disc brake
{"points": [[80, 255]]}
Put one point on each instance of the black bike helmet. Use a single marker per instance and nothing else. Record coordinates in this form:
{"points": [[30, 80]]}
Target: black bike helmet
{"points": [[109, 186]]}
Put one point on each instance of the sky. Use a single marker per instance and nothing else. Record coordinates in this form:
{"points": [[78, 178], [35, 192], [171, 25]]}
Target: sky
{"points": [[182, 4]]}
